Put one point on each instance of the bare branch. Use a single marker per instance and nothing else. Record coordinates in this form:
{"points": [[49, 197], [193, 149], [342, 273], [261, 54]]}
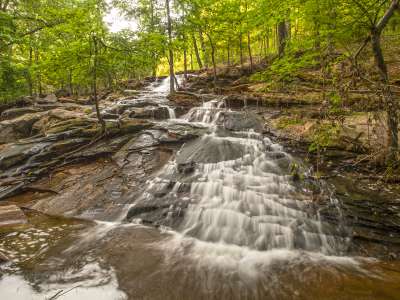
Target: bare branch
{"points": [[386, 17]]}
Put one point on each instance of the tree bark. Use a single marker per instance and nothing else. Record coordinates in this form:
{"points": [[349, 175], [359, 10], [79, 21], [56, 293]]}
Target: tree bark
{"points": [[71, 89], [249, 49], [96, 101], [171, 53], [390, 101], [196, 51], [213, 58], [241, 49], [39, 91], [30, 81], [185, 68], [203, 49], [282, 37], [229, 52]]}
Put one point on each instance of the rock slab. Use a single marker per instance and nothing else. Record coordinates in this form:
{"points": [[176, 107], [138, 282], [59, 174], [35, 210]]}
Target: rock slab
{"points": [[11, 215]]}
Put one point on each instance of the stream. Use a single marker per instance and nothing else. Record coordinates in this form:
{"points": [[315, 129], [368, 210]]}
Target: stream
{"points": [[230, 214]]}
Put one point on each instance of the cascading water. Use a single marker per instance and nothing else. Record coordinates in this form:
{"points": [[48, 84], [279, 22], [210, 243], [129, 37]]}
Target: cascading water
{"points": [[235, 223], [241, 190]]}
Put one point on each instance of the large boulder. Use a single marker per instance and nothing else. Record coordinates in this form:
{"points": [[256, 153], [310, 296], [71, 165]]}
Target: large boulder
{"points": [[58, 120], [240, 121], [133, 125], [21, 127], [185, 99], [14, 154], [209, 149], [149, 112], [51, 98], [19, 111]]}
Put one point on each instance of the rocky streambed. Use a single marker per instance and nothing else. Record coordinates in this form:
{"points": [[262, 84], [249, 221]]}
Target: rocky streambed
{"points": [[207, 205]]}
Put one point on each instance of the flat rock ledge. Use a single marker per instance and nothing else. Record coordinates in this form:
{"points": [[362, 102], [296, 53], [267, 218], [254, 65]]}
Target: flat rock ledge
{"points": [[11, 215]]}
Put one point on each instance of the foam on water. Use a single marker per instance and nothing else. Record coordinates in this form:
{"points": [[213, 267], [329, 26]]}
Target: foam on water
{"points": [[247, 212]]}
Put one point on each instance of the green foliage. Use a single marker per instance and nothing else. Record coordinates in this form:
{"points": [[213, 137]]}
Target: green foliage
{"points": [[287, 68], [324, 136], [46, 45], [285, 122]]}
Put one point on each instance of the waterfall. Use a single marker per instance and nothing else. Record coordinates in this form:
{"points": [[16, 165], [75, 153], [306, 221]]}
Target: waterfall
{"points": [[241, 191]]}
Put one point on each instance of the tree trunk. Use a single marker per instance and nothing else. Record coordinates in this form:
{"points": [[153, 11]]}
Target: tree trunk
{"points": [[30, 82], [213, 58], [196, 51], [96, 102], [185, 69], [71, 89], [390, 102], [229, 52], [39, 91], [241, 49], [249, 49], [203, 49], [171, 53], [282, 37]]}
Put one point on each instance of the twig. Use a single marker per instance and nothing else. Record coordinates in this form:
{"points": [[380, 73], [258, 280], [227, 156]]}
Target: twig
{"points": [[61, 293]]}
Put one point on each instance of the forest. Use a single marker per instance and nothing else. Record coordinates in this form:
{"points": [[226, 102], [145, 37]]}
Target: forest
{"points": [[248, 148]]}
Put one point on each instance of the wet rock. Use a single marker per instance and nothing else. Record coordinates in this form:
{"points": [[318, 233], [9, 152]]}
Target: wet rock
{"points": [[18, 111], [108, 116], [3, 258], [11, 215], [243, 100], [133, 84], [17, 153], [68, 125], [209, 149], [186, 168], [51, 98], [133, 125], [58, 120], [185, 99], [20, 102], [179, 132], [126, 104], [169, 212], [101, 148], [149, 112], [21, 127], [130, 92], [240, 121]]}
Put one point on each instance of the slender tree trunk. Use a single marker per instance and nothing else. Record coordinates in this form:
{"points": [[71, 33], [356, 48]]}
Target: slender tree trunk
{"points": [[96, 101], [38, 76], [71, 88], [185, 69], [282, 37], [191, 61], [213, 58], [171, 53], [390, 102], [196, 51], [229, 52], [30, 83], [203, 49], [241, 49], [249, 49]]}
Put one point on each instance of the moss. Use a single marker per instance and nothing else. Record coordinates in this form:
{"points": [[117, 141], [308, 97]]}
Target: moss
{"points": [[287, 121]]}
